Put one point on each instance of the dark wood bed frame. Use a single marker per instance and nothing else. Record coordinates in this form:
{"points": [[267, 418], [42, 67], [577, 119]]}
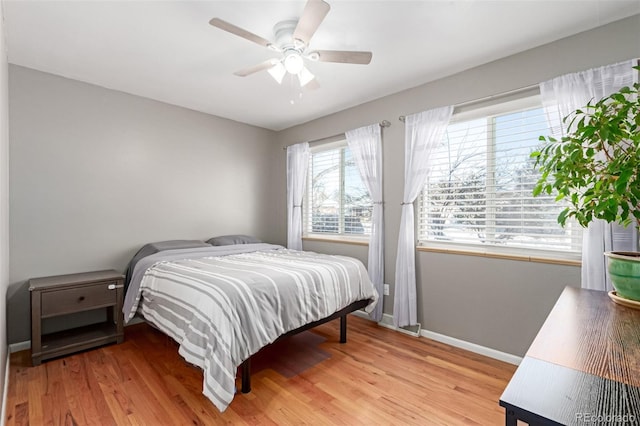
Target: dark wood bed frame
{"points": [[245, 367]]}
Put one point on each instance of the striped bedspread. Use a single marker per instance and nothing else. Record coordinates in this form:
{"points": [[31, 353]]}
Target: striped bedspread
{"points": [[223, 308]]}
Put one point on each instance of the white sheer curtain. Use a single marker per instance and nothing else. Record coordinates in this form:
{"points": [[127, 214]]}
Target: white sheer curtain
{"points": [[297, 165], [365, 145], [423, 132], [561, 96]]}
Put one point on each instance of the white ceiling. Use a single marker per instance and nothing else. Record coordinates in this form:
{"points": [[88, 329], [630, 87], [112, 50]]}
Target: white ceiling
{"points": [[166, 50]]}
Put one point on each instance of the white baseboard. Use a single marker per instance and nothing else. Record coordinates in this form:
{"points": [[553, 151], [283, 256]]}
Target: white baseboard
{"points": [[472, 347], [387, 322], [5, 390], [135, 320], [20, 346], [362, 314]]}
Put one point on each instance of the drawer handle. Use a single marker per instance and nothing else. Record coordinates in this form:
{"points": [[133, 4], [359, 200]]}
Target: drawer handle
{"points": [[113, 286], [81, 299]]}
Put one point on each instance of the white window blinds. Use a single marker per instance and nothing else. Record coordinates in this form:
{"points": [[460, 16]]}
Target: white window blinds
{"points": [[479, 190], [337, 202]]}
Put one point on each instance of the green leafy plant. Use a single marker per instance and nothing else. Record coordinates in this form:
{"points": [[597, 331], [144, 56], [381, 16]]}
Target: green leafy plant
{"points": [[596, 166]]}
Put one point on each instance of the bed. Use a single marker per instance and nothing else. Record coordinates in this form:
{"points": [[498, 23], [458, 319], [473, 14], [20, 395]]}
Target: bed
{"points": [[223, 303]]}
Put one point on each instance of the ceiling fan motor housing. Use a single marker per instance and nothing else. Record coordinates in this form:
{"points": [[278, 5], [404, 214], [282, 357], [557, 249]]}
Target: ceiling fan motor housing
{"points": [[283, 31]]}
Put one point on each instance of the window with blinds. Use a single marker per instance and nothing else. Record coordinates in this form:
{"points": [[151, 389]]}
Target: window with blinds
{"points": [[336, 200], [479, 190]]}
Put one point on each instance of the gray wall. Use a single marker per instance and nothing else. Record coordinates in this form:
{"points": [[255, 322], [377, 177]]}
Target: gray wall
{"points": [[4, 200], [96, 173], [496, 303]]}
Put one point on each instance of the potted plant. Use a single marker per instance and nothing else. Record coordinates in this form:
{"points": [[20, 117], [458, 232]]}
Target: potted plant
{"points": [[596, 167]]}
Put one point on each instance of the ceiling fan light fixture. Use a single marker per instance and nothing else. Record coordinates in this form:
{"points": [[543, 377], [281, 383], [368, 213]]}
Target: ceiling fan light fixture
{"points": [[305, 76], [293, 63], [277, 72]]}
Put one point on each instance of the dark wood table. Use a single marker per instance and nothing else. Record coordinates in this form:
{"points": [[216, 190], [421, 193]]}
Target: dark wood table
{"points": [[583, 367]]}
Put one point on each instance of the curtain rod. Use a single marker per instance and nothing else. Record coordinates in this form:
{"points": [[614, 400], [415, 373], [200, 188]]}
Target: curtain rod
{"points": [[488, 98], [383, 123]]}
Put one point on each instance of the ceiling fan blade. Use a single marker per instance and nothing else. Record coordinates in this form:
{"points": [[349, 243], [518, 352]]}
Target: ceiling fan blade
{"points": [[342, 56], [312, 85], [230, 28], [312, 16], [259, 67]]}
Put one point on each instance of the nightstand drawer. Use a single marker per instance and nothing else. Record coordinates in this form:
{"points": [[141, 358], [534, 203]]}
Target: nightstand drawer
{"points": [[78, 299]]}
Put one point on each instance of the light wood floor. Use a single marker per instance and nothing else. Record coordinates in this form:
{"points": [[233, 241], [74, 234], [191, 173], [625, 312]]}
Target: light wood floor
{"points": [[378, 377]]}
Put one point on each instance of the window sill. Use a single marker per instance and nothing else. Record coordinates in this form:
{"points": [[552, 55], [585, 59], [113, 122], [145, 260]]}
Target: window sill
{"points": [[337, 239], [507, 256]]}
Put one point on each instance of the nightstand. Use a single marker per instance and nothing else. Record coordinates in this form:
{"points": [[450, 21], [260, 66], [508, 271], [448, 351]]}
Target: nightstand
{"points": [[67, 294]]}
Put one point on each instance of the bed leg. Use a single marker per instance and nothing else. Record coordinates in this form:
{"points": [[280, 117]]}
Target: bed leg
{"points": [[343, 329], [246, 375]]}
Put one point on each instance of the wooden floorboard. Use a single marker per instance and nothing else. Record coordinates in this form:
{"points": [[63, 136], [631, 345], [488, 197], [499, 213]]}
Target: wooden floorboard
{"points": [[378, 377]]}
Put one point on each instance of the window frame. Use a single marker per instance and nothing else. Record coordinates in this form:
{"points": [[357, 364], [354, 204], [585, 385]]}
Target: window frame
{"points": [[339, 142], [490, 109]]}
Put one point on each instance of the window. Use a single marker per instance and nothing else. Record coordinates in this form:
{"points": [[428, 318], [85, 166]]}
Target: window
{"points": [[336, 200], [479, 190]]}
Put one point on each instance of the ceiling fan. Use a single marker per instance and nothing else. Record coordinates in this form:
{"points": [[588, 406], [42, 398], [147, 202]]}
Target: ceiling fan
{"points": [[292, 41]]}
